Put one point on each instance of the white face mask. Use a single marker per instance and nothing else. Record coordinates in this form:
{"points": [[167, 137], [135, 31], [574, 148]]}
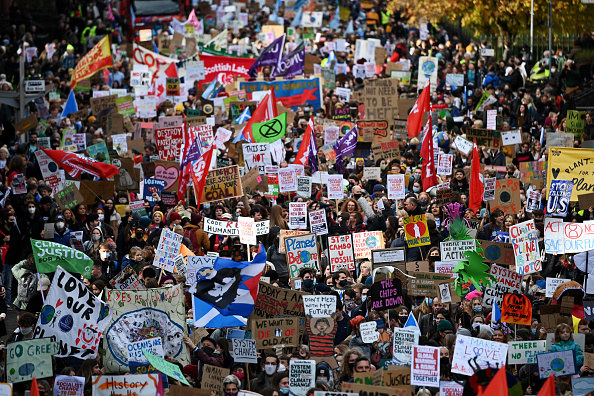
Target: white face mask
{"points": [[96, 237], [104, 255], [31, 210], [101, 216], [270, 369], [26, 330], [60, 224]]}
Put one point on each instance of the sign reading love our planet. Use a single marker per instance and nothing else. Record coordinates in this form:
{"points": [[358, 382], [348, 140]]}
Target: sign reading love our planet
{"points": [[567, 163], [417, 232]]}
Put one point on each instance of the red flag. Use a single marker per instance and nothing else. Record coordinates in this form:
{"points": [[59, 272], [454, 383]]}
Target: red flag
{"points": [[200, 169], [265, 111], [476, 181], [75, 164], [161, 82], [303, 152], [429, 176], [498, 384], [415, 118], [548, 388], [34, 387]]}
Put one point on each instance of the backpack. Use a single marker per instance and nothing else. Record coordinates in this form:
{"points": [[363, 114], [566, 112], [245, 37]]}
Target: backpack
{"points": [[190, 233], [27, 287]]}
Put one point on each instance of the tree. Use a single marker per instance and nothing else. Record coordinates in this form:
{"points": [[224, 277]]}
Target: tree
{"points": [[505, 18]]}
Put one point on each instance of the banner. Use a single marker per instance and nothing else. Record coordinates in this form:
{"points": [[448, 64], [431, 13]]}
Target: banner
{"points": [[425, 366], [80, 317], [155, 63], [225, 68], [126, 385], [49, 255], [222, 183], [302, 252], [524, 352], [365, 242], [291, 93], [98, 58], [487, 353], [341, 253], [75, 164], [524, 238], [508, 281], [30, 358], [142, 314]]}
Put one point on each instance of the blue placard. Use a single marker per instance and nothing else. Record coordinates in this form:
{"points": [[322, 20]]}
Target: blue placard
{"points": [[152, 185], [291, 93]]}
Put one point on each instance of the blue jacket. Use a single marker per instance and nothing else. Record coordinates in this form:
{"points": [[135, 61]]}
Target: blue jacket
{"points": [[570, 345]]}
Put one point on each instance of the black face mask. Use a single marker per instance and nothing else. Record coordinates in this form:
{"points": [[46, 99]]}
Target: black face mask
{"points": [[444, 361], [402, 319], [343, 283], [307, 284], [208, 350], [357, 196]]}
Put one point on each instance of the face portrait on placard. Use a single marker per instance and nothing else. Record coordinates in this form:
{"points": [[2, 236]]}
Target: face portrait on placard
{"points": [[321, 326]]}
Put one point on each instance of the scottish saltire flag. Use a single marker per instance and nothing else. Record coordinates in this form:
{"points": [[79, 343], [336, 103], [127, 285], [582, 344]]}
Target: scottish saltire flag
{"points": [[412, 323], [495, 313], [225, 293], [245, 115]]}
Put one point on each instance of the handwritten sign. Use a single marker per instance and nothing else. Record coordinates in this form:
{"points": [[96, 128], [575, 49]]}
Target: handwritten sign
{"points": [[244, 351], [222, 183], [487, 353], [365, 242], [416, 230], [516, 308], [319, 306], [524, 352], [508, 281], [524, 239], [341, 254], [302, 252]]}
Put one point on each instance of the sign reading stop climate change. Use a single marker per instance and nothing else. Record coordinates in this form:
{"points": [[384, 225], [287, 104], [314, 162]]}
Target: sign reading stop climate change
{"points": [[302, 252], [417, 232]]}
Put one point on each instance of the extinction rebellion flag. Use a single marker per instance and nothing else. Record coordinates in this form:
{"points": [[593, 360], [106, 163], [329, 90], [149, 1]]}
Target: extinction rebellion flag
{"points": [[270, 131]]}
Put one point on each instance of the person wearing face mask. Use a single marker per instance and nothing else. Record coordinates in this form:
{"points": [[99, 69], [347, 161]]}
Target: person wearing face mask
{"points": [[281, 383], [429, 321], [106, 259], [91, 247], [324, 374], [239, 370], [350, 305], [206, 354], [106, 228], [61, 231], [340, 279], [231, 385], [32, 223], [26, 322], [269, 365], [477, 305]]}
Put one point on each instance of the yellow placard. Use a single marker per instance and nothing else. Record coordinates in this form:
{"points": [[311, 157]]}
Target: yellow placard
{"points": [[576, 164], [417, 232]]}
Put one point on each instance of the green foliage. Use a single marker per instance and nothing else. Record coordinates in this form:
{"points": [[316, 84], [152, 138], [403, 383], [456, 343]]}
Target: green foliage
{"points": [[473, 271]]}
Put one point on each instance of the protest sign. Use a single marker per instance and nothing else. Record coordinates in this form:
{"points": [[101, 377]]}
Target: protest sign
{"points": [[287, 180], [221, 227], [244, 351], [341, 253], [489, 184], [374, 132], [297, 215], [444, 164], [275, 301], [51, 255], [508, 281], [557, 363], [403, 340], [302, 252], [373, 390], [392, 256], [551, 285], [416, 230], [319, 306], [454, 250], [524, 352], [498, 252], [374, 378], [559, 197], [575, 122], [137, 362], [165, 367], [578, 237], [571, 164], [286, 234], [68, 385], [168, 248], [380, 98], [533, 172], [324, 393], [303, 186], [278, 331], [389, 150], [443, 196], [396, 189], [425, 366], [487, 353], [582, 386], [317, 222], [507, 196], [79, 330], [335, 187], [152, 186], [142, 314], [69, 197], [484, 137], [212, 378], [369, 333], [524, 239], [256, 155], [125, 385], [302, 376], [222, 183], [533, 202], [463, 145], [425, 283], [445, 267], [516, 308], [509, 138], [247, 230], [195, 264], [169, 142], [386, 294], [554, 240], [365, 242], [559, 139], [30, 358], [372, 172]]}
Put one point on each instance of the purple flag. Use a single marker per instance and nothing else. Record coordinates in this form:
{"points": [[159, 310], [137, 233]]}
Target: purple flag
{"points": [[293, 64], [271, 56], [194, 153], [312, 156], [345, 146]]}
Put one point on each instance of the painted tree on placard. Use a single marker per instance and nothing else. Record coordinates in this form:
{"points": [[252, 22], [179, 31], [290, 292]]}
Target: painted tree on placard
{"points": [[503, 17]]}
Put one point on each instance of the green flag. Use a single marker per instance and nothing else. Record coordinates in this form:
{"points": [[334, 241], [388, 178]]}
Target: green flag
{"points": [[270, 131], [48, 255]]}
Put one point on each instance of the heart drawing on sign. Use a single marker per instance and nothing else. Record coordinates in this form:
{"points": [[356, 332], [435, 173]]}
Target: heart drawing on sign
{"points": [[170, 175], [417, 229], [555, 172]]}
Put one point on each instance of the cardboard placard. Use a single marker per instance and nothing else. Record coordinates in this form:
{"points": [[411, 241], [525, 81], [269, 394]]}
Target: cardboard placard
{"points": [[91, 190], [252, 182], [380, 98], [363, 389], [69, 197], [212, 378], [275, 301], [425, 284], [168, 171], [507, 196], [498, 252], [278, 331], [222, 183], [390, 256]]}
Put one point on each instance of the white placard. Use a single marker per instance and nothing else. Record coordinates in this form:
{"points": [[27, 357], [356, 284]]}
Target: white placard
{"points": [[396, 188], [335, 188], [247, 230], [319, 306], [511, 137], [369, 333]]}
